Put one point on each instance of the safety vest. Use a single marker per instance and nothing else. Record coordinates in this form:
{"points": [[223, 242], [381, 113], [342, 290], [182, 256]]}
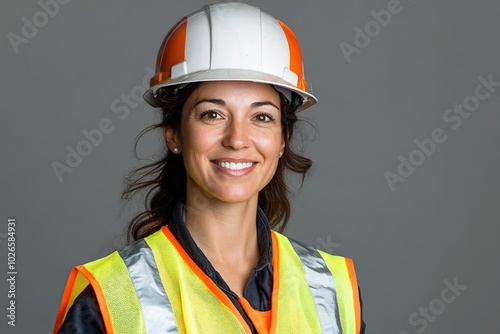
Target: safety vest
{"points": [[153, 286]]}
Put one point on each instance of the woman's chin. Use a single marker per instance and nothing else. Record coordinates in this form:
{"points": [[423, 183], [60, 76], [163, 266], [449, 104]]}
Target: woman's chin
{"points": [[234, 195]]}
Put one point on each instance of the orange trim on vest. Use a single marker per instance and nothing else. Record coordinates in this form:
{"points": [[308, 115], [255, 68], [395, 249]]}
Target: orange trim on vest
{"points": [[295, 55], [260, 319], [172, 52], [276, 282], [355, 293], [100, 298], [65, 300], [206, 280]]}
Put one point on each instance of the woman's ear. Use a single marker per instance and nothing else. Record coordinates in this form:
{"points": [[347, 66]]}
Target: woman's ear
{"points": [[172, 139], [284, 139]]}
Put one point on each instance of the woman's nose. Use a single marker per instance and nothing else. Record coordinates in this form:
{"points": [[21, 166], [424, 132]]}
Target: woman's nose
{"points": [[237, 135]]}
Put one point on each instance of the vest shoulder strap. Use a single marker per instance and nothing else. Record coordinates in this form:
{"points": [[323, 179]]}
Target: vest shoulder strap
{"points": [[123, 317], [346, 285], [333, 285]]}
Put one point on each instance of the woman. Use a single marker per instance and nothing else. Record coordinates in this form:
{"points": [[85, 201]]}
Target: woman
{"points": [[204, 258]]}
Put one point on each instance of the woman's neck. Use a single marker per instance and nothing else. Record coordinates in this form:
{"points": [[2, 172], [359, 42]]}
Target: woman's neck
{"points": [[225, 232]]}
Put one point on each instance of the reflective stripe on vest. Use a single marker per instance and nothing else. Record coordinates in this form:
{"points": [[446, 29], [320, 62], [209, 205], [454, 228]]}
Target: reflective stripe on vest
{"points": [[155, 305], [153, 286], [322, 286]]}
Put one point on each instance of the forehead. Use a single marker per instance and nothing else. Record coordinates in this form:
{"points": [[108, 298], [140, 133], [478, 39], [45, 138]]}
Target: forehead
{"points": [[235, 92]]}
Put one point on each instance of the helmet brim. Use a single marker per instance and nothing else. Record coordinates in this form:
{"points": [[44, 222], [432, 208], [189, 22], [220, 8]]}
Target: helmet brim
{"points": [[151, 96]]}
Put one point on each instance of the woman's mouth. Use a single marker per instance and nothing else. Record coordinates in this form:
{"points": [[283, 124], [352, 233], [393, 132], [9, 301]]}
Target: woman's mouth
{"points": [[234, 165]]}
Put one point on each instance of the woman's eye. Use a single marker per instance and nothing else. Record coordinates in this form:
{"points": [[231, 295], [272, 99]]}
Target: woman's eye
{"points": [[264, 118], [210, 115]]}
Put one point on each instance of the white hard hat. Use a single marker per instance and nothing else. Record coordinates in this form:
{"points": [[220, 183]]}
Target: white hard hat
{"points": [[230, 41]]}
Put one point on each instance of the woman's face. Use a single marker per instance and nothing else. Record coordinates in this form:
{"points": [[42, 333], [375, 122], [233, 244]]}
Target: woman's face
{"points": [[230, 137]]}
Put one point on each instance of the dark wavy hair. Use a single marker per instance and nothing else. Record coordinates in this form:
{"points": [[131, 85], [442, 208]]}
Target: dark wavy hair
{"points": [[164, 180]]}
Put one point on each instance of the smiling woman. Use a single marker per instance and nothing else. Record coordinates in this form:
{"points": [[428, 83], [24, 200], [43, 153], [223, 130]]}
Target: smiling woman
{"points": [[225, 125], [207, 255]]}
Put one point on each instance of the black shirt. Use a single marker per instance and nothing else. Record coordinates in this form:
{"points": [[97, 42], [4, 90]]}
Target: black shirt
{"points": [[84, 315]]}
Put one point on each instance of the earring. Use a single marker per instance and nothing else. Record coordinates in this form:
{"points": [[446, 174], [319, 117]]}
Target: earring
{"points": [[281, 153], [175, 150]]}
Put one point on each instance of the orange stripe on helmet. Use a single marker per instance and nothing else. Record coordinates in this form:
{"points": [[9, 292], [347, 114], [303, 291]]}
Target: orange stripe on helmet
{"points": [[295, 56], [171, 52]]}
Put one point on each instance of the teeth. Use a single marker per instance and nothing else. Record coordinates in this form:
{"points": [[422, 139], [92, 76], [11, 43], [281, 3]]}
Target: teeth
{"points": [[234, 165]]}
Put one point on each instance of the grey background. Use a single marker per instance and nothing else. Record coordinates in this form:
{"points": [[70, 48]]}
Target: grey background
{"points": [[440, 224]]}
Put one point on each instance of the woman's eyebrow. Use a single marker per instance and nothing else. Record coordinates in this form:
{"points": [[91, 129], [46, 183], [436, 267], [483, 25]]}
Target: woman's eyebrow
{"points": [[263, 103], [222, 103], [214, 101]]}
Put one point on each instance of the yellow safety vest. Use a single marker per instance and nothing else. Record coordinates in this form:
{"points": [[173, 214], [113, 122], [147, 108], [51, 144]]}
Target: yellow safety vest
{"points": [[153, 286]]}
